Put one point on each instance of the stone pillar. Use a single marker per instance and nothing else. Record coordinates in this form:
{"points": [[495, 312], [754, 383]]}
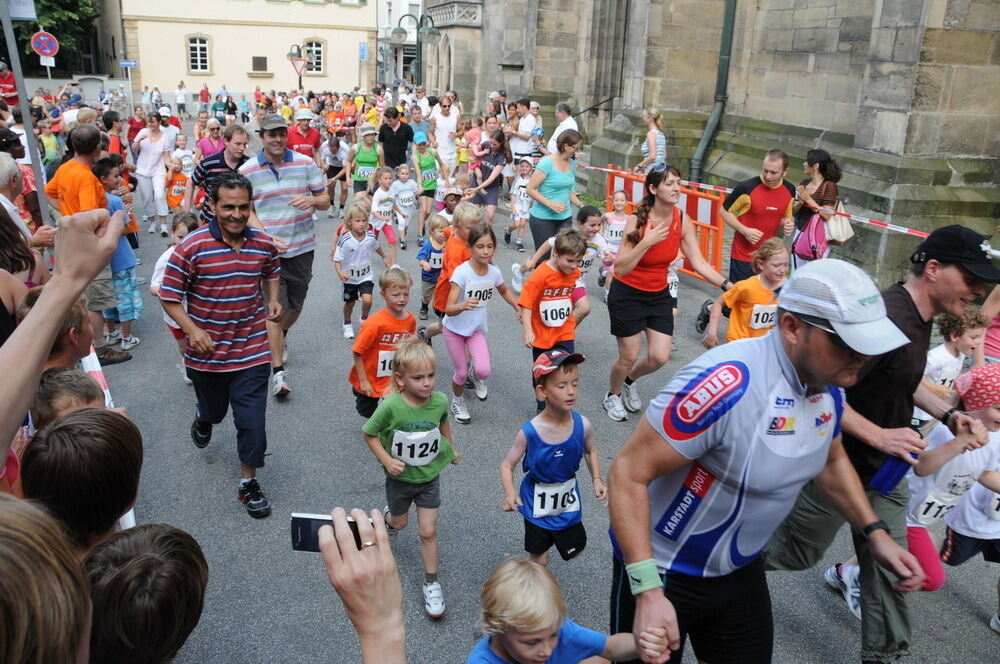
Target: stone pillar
{"points": [[634, 72]]}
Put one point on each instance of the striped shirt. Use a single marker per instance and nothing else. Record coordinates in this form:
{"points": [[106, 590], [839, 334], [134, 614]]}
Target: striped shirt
{"points": [[274, 186], [205, 173], [223, 291]]}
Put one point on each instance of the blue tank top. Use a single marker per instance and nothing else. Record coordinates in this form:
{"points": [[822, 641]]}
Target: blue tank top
{"points": [[549, 492]]}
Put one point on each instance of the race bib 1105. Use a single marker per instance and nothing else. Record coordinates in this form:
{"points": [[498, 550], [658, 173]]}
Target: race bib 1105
{"points": [[555, 499]]}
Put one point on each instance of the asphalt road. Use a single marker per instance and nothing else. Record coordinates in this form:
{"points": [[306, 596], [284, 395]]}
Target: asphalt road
{"points": [[266, 603]]}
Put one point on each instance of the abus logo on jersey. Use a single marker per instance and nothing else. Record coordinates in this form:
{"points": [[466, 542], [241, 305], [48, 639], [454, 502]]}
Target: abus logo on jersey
{"points": [[781, 426], [685, 504], [706, 398]]}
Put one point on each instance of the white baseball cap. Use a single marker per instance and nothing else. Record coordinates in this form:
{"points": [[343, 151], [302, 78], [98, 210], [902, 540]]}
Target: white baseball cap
{"points": [[843, 295], [303, 114]]}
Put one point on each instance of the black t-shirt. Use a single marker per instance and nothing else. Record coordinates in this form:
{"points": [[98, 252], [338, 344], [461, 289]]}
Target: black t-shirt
{"points": [[885, 387], [394, 143], [490, 161]]}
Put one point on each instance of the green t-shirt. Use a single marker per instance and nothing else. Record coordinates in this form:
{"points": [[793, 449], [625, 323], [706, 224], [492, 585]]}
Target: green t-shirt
{"points": [[412, 435], [219, 110]]}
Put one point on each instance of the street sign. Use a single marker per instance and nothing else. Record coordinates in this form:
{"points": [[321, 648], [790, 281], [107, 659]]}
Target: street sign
{"points": [[23, 10], [128, 63], [362, 51], [299, 64], [44, 43], [46, 61]]}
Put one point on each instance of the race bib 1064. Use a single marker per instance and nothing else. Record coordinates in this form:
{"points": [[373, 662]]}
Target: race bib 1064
{"points": [[555, 499], [416, 448], [555, 313]]}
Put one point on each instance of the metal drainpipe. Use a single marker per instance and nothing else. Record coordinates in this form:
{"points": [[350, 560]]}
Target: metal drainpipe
{"points": [[721, 83]]}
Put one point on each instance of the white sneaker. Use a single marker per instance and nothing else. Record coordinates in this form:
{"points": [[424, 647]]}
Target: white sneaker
{"points": [[433, 600], [459, 411], [615, 409], [478, 384], [163, 230], [128, 343], [630, 397], [995, 623], [516, 278], [846, 581], [184, 374], [348, 331], [279, 387], [152, 227], [112, 338], [331, 213]]}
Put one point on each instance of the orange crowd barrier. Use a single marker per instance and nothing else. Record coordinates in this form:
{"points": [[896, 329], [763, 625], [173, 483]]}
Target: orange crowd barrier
{"points": [[702, 206]]}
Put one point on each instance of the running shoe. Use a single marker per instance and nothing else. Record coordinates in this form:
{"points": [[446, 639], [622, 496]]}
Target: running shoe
{"points": [[615, 409], [846, 581], [251, 495], [433, 600], [331, 213], [516, 277], [422, 334], [630, 398], [385, 517], [279, 387], [702, 321], [459, 410], [423, 313], [520, 246], [130, 342], [420, 240], [478, 384], [184, 374], [348, 331], [602, 277], [113, 338], [995, 623], [201, 433], [402, 245], [152, 224], [163, 230], [506, 236]]}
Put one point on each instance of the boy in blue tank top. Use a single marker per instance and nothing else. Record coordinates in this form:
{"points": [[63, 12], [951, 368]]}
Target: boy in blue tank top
{"points": [[552, 445]]}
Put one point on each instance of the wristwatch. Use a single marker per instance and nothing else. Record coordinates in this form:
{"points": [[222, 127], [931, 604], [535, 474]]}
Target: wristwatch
{"points": [[875, 525]]}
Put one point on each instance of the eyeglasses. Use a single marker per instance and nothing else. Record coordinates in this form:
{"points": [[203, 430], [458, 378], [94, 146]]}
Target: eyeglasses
{"points": [[660, 167], [445, 105], [824, 325]]}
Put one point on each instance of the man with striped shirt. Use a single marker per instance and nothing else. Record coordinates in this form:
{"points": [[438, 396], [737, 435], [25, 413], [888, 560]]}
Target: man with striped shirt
{"points": [[287, 188], [213, 166], [216, 273]]}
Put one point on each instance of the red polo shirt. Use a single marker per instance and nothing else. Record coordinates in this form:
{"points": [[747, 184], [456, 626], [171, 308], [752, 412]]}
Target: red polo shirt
{"points": [[8, 88], [303, 144]]}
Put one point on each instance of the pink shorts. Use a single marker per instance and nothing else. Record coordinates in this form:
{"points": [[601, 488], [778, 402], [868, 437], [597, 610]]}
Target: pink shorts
{"points": [[177, 333], [578, 293], [390, 234]]}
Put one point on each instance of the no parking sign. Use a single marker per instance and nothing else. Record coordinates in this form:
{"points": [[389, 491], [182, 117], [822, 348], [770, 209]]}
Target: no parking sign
{"points": [[44, 44]]}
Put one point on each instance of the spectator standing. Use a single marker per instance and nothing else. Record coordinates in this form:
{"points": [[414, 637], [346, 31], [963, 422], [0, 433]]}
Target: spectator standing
{"points": [[566, 121], [180, 99], [654, 148], [817, 190]]}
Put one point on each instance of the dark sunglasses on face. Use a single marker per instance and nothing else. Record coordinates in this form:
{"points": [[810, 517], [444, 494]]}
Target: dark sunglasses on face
{"points": [[824, 325]]}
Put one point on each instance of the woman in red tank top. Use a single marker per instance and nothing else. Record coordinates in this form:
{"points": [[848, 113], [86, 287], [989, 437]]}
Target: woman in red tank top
{"points": [[639, 300]]}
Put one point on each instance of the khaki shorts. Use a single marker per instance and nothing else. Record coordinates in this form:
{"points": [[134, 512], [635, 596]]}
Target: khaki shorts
{"points": [[427, 289], [101, 292]]}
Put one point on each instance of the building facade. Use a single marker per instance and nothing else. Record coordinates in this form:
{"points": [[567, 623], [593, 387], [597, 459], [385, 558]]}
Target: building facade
{"points": [[397, 59], [243, 44]]}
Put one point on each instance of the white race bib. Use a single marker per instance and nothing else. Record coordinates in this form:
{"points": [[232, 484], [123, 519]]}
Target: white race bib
{"points": [[993, 509], [405, 200], [935, 505], [385, 358], [364, 172], [416, 448], [613, 233], [587, 262], [555, 499], [555, 312], [436, 260], [359, 271], [480, 289], [762, 316]]}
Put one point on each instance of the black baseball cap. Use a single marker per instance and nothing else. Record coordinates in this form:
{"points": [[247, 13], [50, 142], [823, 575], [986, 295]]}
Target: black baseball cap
{"points": [[958, 245]]}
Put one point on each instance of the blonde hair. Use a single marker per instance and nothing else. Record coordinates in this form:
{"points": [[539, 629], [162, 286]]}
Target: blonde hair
{"points": [[656, 115], [411, 355], [467, 214], [436, 222], [356, 210], [521, 596], [403, 167], [771, 247], [86, 116], [395, 276], [44, 596]]}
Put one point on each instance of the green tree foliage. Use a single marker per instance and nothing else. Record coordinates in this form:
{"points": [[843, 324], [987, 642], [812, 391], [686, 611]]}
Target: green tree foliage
{"points": [[69, 20]]}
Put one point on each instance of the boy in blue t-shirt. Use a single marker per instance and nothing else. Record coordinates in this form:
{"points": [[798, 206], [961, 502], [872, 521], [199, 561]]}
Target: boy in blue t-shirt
{"points": [[431, 257], [123, 262], [552, 444]]}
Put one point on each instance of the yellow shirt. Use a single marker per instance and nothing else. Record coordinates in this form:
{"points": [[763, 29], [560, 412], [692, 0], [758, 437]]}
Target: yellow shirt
{"points": [[754, 309], [371, 116], [286, 113]]}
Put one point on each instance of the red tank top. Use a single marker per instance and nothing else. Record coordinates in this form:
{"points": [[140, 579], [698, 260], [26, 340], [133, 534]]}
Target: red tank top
{"points": [[650, 273]]}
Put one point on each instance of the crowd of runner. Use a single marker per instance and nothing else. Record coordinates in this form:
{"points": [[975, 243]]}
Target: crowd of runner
{"points": [[824, 404]]}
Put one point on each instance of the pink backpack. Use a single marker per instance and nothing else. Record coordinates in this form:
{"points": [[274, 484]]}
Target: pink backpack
{"points": [[811, 243]]}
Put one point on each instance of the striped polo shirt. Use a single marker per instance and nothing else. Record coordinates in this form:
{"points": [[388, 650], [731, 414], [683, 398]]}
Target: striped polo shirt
{"points": [[223, 291], [274, 186], [206, 172]]}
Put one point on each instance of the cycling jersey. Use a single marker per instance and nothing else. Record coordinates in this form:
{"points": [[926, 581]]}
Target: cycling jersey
{"points": [[755, 436]]}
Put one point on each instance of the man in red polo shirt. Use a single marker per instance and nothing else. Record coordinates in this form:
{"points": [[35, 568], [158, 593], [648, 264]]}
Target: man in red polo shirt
{"points": [[8, 86], [305, 139]]}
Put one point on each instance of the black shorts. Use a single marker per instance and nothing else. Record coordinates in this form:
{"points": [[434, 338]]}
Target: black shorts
{"points": [[360, 185], [438, 313], [569, 542], [739, 270], [353, 291], [296, 273], [429, 193], [958, 548], [728, 617], [333, 171], [364, 404], [632, 310]]}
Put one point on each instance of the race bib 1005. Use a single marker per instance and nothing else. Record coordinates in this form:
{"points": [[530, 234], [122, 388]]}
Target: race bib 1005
{"points": [[416, 448], [555, 313], [555, 499], [479, 289]]}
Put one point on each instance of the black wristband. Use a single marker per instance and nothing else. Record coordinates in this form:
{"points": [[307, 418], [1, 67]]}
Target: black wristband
{"points": [[875, 525], [947, 416]]}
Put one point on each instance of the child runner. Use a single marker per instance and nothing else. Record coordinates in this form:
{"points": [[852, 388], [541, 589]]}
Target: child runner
{"points": [[963, 337], [546, 299], [461, 147], [519, 204], [753, 301], [452, 198], [335, 153], [524, 619], [351, 255], [404, 195], [465, 325], [426, 163], [614, 231], [588, 221], [410, 435], [552, 445], [430, 259], [180, 226], [184, 154], [364, 158], [378, 339], [176, 184], [384, 210], [456, 251]]}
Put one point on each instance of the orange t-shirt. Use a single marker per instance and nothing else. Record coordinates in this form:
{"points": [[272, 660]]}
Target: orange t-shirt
{"points": [[176, 183], [75, 188], [547, 294], [334, 122], [131, 225], [376, 343], [456, 252], [754, 309]]}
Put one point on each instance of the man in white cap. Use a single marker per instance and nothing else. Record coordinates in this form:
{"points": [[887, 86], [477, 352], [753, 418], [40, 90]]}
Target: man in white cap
{"points": [[172, 126], [305, 139], [719, 458]]}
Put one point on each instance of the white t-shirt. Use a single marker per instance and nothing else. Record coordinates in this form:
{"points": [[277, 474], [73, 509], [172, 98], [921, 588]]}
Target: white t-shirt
{"points": [[568, 123], [942, 368], [933, 496], [597, 249], [69, 116], [405, 195], [977, 513], [522, 202], [181, 96], [331, 159], [523, 146], [171, 132], [614, 231], [157, 280], [187, 160], [355, 256], [473, 285], [149, 162], [424, 105], [381, 203]]}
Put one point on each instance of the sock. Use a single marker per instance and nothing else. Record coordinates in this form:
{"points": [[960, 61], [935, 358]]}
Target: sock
{"points": [[347, 321], [364, 318], [617, 394], [628, 380], [278, 368], [284, 333], [244, 481], [423, 306], [430, 578]]}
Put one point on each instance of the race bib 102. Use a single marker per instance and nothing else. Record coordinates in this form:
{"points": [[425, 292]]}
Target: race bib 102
{"points": [[762, 316]]}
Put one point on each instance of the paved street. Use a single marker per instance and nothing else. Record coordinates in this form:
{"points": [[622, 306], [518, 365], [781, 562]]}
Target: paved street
{"points": [[267, 603]]}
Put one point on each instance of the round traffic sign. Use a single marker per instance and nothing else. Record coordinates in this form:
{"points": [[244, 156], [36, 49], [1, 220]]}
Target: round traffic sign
{"points": [[44, 43]]}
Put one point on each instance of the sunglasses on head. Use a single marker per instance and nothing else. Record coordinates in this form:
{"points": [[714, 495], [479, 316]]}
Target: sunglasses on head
{"points": [[824, 325], [659, 168]]}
